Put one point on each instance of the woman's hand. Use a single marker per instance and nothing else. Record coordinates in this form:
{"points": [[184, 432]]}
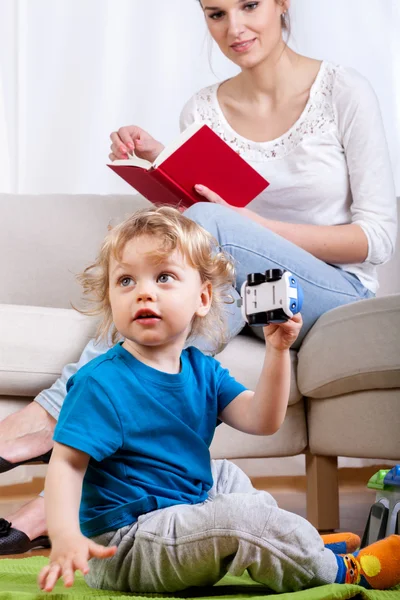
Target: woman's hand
{"points": [[70, 554], [210, 195], [282, 335], [134, 139]]}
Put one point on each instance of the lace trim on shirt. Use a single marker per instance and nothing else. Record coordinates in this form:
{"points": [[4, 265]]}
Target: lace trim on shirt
{"points": [[317, 117]]}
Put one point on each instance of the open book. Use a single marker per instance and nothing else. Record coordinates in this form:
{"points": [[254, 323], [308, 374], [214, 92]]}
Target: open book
{"points": [[198, 156]]}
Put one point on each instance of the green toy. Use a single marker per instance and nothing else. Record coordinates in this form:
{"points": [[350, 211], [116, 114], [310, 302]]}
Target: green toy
{"points": [[384, 516]]}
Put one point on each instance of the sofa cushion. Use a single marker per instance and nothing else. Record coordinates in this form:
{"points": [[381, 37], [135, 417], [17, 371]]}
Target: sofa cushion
{"points": [[53, 237], [289, 440], [36, 343], [363, 424], [356, 347], [244, 357]]}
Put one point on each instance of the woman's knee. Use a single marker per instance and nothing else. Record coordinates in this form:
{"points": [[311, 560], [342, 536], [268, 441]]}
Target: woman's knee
{"points": [[207, 214]]}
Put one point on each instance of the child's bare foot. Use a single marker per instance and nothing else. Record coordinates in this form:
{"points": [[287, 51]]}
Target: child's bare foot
{"points": [[26, 434]]}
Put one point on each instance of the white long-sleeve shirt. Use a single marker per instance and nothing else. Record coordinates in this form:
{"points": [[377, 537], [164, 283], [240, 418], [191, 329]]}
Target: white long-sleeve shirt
{"points": [[331, 168]]}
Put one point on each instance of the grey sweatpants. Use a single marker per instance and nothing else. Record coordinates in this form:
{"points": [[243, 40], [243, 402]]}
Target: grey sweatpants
{"points": [[236, 528]]}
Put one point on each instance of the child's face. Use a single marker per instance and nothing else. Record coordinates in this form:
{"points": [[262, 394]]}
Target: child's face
{"points": [[153, 303]]}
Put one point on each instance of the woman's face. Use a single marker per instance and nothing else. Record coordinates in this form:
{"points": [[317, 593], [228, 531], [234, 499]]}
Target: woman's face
{"points": [[246, 31]]}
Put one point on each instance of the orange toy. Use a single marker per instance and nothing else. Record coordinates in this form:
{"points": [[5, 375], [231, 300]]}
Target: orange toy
{"points": [[376, 566], [341, 543]]}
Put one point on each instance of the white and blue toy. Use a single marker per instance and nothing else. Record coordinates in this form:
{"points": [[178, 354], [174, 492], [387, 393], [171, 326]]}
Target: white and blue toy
{"points": [[270, 297]]}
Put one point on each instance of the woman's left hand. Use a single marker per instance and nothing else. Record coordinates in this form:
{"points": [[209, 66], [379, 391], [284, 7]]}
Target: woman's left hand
{"points": [[210, 195], [282, 335]]}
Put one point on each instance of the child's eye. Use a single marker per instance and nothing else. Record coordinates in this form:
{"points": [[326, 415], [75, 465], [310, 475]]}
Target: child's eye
{"points": [[126, 281], [164, 277]]}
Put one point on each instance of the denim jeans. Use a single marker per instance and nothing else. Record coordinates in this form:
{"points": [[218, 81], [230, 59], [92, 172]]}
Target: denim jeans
{"points": [[254, 249]]}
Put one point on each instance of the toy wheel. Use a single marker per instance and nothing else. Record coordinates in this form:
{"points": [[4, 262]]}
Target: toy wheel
{"points": [[273, 275], [257, 318], [276, 316], [255, 279]]}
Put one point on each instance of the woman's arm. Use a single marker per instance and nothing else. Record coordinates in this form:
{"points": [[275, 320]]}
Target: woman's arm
{"points": [[330, 243], [336, 244], [362, 134], [372, 232]]}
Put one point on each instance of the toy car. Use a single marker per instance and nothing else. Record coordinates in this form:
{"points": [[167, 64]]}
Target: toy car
{"points": [[270, 297]]}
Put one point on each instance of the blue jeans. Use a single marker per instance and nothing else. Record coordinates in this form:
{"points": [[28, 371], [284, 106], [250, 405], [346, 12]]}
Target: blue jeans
{"points": [[254, 249]]}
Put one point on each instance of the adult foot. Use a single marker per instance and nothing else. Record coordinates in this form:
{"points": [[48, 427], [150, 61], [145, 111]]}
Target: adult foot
{"points": [[26, 434], [30, 518]]}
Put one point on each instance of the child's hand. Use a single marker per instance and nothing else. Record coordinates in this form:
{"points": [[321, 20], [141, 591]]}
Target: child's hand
{"points": [[282, 335], [70, 554]]}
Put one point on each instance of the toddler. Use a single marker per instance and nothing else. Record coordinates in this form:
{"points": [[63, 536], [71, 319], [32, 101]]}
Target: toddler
{"points": [[130, 484]]}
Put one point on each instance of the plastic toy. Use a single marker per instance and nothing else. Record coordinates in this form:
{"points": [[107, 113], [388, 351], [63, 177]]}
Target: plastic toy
{"points": [[270, 297], [384, 516]]}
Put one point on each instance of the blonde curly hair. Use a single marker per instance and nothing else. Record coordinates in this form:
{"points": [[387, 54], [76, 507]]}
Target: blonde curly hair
{"points": [[176, 232]]}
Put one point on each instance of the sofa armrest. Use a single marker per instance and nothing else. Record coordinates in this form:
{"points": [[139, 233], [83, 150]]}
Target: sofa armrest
{"points": [[36, 343]]}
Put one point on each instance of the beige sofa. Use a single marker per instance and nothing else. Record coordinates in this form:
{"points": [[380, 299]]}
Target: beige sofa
{"points": [[345, 394]]}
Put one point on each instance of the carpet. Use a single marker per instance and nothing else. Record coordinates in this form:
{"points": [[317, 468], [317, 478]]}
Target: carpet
{"points": [[18, 582]]}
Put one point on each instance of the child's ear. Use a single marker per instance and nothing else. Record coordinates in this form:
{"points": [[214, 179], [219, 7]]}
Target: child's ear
{"points": [[205, 299]]}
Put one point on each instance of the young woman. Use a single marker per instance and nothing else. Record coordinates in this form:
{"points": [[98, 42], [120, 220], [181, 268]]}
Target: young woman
{"points": [[314, 130]]}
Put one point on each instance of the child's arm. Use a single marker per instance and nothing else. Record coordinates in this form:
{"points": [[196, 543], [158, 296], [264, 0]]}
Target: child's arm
{"points": [[262, 412], [63, 489]]}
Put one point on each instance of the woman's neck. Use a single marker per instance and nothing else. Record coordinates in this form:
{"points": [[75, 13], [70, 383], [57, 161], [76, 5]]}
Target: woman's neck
{"points": [[274, 78]]}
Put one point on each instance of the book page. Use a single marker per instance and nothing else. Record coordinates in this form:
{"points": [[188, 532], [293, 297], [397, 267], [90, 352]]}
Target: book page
{"points": [[133, 161], [170, 149]]}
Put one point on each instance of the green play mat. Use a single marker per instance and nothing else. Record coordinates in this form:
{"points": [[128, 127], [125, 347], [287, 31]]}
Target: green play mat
{"points": [[18, 582]]}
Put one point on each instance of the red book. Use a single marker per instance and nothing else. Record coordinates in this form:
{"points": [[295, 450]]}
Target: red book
{"points": [[199, 156]]}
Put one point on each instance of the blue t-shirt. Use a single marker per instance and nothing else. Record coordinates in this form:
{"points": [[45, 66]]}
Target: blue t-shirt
{"points": [[147, 432]]}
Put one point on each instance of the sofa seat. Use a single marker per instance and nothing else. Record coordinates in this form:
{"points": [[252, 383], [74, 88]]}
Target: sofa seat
{"points": [[291, 439]]}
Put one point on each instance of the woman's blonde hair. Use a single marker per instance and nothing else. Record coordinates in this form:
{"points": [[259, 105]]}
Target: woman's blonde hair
{"points": [[176, 232]]}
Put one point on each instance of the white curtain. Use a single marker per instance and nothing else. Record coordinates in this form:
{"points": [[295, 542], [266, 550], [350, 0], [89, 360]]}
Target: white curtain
{"points": [[365, 35], [86, 67], [7, 96], [5, 169], [74, 70]]}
